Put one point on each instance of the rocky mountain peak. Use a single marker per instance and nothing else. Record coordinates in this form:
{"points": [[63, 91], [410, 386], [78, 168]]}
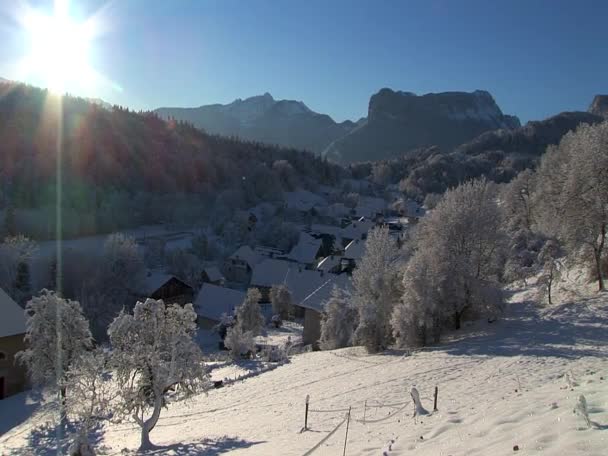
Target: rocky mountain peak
{"points": [[599, 106]]}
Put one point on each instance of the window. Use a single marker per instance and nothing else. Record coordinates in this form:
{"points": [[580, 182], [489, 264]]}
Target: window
{"points": [[2, 356]]}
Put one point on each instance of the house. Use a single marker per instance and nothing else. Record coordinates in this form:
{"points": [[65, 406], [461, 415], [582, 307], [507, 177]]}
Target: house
{"points": [[214, 301], [370, 207], [356, 230], [158, 285], [304, 201], [239, 266], [331, 264], [306, 251], [309, 290], [212, 274], [12, 331]]}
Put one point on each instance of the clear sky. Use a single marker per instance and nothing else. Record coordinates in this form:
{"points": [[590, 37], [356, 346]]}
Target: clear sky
{"points": [[536, 57]]}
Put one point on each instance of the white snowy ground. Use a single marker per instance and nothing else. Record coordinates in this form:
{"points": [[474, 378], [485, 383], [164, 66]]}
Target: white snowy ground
{"points": [[500, 385]]}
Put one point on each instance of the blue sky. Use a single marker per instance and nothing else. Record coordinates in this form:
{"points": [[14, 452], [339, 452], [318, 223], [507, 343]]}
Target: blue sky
{"points": [[536, 57]]}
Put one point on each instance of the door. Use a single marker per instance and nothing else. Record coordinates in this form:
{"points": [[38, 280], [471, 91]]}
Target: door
{"points": [[1, 388]]}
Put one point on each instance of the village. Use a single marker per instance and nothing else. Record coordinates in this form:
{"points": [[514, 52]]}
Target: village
{"points": [[331, 241]]}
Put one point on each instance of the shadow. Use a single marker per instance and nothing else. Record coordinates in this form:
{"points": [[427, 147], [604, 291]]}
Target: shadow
{"points": [[47, 440], [206, 447], [16, 409], [570, 330]]}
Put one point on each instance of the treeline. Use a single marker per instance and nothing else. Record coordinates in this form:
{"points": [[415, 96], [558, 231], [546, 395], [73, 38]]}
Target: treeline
{"points": [[479, 237], [121, 168], [497, 155]]}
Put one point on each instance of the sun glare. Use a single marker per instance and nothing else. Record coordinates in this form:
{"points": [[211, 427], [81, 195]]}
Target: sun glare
{"points": [[59, 49]]}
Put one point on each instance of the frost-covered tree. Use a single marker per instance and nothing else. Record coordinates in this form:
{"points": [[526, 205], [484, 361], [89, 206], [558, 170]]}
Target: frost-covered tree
{"points": [[573, 192], [338, 322], [549, 259], [185, 266], [463, 241], [56, 335], [376, 290], [416, 319], [239, 342], [154, 354], [123, 266], [281, 301], [15, 255], [249, 315], [90, 398]]}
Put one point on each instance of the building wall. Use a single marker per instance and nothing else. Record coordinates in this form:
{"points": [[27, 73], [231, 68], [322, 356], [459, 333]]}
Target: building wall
{"points": [[312, 328], [236, 271], [12, 373]]}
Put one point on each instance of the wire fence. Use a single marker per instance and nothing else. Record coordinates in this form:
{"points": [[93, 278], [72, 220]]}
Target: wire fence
{"points": [[398, 407]]}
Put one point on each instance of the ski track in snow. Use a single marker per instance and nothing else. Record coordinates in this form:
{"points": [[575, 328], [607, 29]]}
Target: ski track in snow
{"points": [[498, 384]]}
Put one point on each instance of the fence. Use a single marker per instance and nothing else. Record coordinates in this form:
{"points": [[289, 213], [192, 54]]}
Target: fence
{"points": [[398, 406]]}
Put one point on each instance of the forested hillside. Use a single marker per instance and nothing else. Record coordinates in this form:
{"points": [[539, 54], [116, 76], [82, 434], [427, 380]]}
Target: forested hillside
{"points": [[120, 168]]}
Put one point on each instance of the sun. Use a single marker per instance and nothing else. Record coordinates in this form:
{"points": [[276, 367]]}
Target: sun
{"points": [[59, 49]]}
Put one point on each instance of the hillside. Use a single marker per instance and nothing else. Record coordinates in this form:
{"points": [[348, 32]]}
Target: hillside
{"points": [[262, 118], [124, 169], [398, 122], [514, 382]]}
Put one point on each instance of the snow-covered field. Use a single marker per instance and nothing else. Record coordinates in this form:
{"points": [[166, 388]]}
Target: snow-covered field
{"points": [[510, 384]]}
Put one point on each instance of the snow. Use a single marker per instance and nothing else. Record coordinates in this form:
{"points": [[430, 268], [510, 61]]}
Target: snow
{"points": [[246, 254], [12, 320], [305, 251], [500, 385], [153, 281], [212, 301], [213, 273]]}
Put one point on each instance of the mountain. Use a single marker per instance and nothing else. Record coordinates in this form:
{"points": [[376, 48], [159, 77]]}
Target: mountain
{"points": [[401, 121], [262, 118], [498, 155], [599, 106], [531, 139]]}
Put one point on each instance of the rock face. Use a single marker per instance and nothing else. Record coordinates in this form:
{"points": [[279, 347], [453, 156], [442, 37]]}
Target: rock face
{"points": [[398, 122], [262, 118], [599, 106]]}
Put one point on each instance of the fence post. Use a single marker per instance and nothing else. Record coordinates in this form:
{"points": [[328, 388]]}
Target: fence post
{"points": [[435, 401], [346, 436], [306, 413], [364, 410]]}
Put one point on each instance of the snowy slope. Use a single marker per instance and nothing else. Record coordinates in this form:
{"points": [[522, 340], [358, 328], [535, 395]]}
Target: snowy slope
{"points": [[500, 385]]}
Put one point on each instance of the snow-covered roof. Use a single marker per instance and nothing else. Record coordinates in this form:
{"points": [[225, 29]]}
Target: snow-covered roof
{"points": [[328, 263], [369, 206], [213, 273], [212, 301], [153, 281], [308, 288], [357, 229], [337, 210], [303, 200], [335, 231], [305, 251], [355, 249], [271, 272], [12, 317], [246, 254]]}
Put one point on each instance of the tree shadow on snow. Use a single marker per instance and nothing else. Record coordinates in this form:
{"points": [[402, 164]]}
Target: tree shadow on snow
{"points": [[45, 440], [206, 447], [563, 333], [16, 409]]}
